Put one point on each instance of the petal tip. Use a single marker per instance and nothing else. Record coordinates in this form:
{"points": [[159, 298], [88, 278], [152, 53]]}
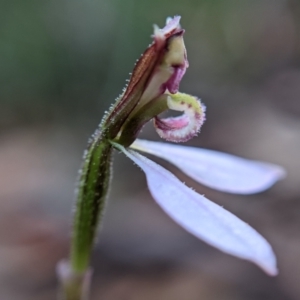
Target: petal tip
{"points": [[172, 25], [269, 269], [280, 173]]}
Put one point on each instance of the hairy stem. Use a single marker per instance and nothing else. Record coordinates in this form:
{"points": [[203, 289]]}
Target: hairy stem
{"points": [[91, 196]]}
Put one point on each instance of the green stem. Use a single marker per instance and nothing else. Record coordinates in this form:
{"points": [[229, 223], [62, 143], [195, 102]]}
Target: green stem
{"points": [[73, 286], [92, 192]]}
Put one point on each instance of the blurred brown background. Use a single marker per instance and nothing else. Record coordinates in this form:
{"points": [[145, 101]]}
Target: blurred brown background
{"points": [[62, 63]]}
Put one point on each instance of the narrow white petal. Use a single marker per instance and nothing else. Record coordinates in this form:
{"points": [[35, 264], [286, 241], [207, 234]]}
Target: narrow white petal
{"points": [[217, 170], [203, 218]]}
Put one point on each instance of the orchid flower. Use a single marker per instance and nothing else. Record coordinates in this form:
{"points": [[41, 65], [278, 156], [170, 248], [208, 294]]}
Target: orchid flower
{"points": [[153, 89]]}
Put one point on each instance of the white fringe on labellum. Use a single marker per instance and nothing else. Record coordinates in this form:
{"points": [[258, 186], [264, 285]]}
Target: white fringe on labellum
{"points": [[182, 128], [203, 218], [217, 170]]}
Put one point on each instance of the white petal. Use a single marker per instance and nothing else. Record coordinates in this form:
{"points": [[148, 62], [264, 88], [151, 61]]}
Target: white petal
{"points": [[217, 170], [203, 218]]}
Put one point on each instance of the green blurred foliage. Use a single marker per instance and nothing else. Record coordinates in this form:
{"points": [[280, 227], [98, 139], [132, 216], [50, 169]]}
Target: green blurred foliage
{"points": [[68, 60]]}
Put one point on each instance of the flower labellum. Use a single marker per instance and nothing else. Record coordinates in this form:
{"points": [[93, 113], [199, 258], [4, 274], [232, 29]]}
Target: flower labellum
{"points": [[184, 127]]}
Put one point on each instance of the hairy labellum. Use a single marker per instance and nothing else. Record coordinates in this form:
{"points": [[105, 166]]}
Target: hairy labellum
{"points": [[186, 126]]}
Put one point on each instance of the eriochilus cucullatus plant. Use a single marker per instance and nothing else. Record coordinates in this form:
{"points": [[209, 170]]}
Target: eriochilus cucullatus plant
{"points": [[152, 90]]}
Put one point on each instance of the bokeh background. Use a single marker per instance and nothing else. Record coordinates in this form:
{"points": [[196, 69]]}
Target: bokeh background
{"points": [[62, 63]]}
